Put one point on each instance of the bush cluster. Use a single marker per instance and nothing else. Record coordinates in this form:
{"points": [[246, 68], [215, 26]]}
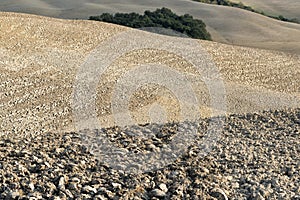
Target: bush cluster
{"points": [[163, 18]]}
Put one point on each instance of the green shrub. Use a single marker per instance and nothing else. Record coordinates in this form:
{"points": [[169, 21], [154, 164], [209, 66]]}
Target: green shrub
{"points": [[163, 18]]}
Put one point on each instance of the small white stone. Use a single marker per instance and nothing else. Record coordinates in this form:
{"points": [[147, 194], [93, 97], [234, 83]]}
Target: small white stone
{"points": [[163, 187], [89, 189], [14, 194], [116, 185], [219, 194], [31, 186], [205, 170], [61, 183], [75, 180], [158, 193]]}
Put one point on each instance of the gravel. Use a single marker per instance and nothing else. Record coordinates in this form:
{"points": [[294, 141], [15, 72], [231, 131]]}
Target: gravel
{"points": [[257, 157]]}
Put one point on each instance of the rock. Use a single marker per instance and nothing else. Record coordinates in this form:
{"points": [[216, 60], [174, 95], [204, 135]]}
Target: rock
{"points": [[152, 147], [110, 194], [51, 187], [75, 180], [298, 190], [23, 169], [219, 194], [14, 194], [86, 196], [258, 196], [117, 185], [89, 189], [235, 185], [62, 195], [99, 197], [69, 194], [47, 164], [205, 170], [35, 195], [265, 192], [229, 178], [296, 197], [61, 183], [163, 187], [31, 186], [73, 186], [158, 193], [290, 171]]}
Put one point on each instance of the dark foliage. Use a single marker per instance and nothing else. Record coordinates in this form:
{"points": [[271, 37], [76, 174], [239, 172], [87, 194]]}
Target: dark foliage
{"points": [[163, 18]]}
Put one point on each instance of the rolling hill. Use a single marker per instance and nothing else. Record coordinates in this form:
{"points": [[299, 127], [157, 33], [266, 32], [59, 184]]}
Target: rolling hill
{"points": [[227, 25], [44, 54], [289, 8]]}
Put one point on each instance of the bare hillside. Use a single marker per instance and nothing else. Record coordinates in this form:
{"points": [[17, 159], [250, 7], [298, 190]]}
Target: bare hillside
{"points": [[40, 58], [227, 25], [288, 8]]}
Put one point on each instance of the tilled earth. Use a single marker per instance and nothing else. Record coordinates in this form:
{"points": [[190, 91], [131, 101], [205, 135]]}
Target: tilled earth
{"points": [[256, 157]]}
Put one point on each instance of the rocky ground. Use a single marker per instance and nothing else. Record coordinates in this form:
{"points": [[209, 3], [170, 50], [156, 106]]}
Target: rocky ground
{"points": [[257, 157]]}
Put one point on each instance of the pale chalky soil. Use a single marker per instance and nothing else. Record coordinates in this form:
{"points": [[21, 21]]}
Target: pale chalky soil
{"points": [[40, 57]]}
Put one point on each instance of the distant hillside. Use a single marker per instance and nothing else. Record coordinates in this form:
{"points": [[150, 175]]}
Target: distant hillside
{"points": [[163, 18], [287, 8], [245, 7]]}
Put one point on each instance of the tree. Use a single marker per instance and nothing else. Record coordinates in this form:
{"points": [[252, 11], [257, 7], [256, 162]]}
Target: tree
{"points": [[163, 17]]}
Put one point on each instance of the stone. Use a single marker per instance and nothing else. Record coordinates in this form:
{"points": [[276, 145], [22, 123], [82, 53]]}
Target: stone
{"points": [[69, 194], [99, 197], [205, 170], [89, 189], [31, 186], [73, 186], [75, 180], [219, 194], [158, 193], [258, 196], [61, 183], [235, 185], [163, 187], [117, 185], [14, 194]]}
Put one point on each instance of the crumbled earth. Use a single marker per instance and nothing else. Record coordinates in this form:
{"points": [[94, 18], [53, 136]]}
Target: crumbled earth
{"points": [[256, 157]]}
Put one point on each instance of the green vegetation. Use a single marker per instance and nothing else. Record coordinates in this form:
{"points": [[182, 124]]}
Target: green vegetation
{"points": [[163, 18], [242, 6]]}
